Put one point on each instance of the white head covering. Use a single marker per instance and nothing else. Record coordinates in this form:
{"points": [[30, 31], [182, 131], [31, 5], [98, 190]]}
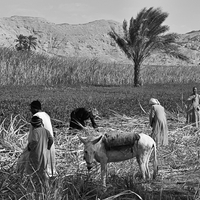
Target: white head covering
{"points": [[153, 101]]}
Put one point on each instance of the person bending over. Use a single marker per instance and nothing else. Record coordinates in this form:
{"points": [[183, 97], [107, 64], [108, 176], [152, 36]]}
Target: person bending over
{"points": [[78, 117], [158, 122]]}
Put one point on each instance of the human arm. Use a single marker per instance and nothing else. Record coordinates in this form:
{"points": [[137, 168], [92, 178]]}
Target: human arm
{"points": [[50, 140], [191, 97], [91, 116], [151, 116], [198, 106], [193, 102]]}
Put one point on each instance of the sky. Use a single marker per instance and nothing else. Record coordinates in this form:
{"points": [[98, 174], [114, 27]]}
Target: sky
{"points": [[184, 15]]}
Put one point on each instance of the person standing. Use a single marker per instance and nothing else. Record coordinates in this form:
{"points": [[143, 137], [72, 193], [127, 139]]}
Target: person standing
{"points": [[158, 122], [39, 143], [36, 110], [193, 109]]}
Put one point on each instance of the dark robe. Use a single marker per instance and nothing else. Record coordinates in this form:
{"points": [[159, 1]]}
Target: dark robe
{"points": [[79, 116]]}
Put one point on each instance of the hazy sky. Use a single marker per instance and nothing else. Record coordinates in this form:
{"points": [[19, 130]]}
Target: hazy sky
{"points": [[184, 15]]}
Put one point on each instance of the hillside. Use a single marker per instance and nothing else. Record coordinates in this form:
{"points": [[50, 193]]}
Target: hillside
{"points": [[86, 40]]}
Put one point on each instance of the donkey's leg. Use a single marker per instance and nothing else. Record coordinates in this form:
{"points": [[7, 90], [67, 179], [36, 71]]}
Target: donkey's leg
{"points": [[148, 155], [103, 173], [145, 161], [141, 163]]}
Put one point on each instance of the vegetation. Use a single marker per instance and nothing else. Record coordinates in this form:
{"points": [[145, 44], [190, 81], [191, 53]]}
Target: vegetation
{"points": [[178, 162], [60, 100], [25, 43], [145, 36], [62, 84], [24, 68]]}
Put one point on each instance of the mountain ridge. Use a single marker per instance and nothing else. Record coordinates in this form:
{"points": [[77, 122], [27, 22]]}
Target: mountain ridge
{"points": [[87, 40]]}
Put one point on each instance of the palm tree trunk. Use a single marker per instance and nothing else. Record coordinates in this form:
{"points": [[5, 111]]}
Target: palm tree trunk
{"points": [[137, 75]]}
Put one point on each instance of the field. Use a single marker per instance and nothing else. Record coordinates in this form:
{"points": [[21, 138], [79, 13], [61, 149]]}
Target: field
{"points": [[27, 68], [62, 84], [119, 108]]}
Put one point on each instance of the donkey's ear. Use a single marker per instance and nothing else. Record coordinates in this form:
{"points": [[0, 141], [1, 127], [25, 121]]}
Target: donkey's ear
{"points": [[96, 140], [83, 140]]}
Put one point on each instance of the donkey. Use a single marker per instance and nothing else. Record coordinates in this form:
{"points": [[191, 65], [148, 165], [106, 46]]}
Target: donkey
{"points": [[95, 148]]}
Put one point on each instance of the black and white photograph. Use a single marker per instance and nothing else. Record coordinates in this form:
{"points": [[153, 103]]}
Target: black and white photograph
{"points": [[99, 100]]}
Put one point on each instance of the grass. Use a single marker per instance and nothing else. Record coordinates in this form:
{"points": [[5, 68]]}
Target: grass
{"points": [[59, 101], [28, 68], [119, 109], [62, 84], [178, 166]]}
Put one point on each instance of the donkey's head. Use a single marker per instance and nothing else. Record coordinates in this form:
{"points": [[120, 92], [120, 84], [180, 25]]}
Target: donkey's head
{"points": [[89, 149]]}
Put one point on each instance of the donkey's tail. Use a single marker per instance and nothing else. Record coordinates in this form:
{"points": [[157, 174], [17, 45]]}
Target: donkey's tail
{"points": [[155, 164]]}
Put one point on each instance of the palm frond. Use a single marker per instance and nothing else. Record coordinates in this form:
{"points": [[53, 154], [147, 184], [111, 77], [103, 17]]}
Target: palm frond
{"points": [[173, 51], [121, 42], [155, 19], [170, 38], [145, 35], [126, 35]]}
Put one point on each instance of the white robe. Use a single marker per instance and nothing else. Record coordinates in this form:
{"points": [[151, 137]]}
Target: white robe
{"points": [[51, 169]]}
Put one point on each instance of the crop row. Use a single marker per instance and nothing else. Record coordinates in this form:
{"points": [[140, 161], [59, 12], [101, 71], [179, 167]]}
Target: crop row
{"points": [[27, 68]]}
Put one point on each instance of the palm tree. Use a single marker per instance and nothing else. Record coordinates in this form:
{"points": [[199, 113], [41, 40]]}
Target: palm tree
{"points": [[31, 42], [145, 36], [21, 42]]}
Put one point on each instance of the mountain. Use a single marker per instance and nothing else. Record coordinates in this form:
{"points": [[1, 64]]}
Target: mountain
{"points": [[86, 40]]}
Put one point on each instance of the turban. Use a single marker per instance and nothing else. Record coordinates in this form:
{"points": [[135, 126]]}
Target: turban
{"points": [[36, 105], [153, 101], [36, 121]]}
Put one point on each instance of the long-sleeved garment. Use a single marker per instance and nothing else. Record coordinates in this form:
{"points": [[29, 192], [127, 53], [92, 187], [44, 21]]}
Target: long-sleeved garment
{"points": [[40, 142], [158, 122], [193, 110], [51, 160], [79, 116]]}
